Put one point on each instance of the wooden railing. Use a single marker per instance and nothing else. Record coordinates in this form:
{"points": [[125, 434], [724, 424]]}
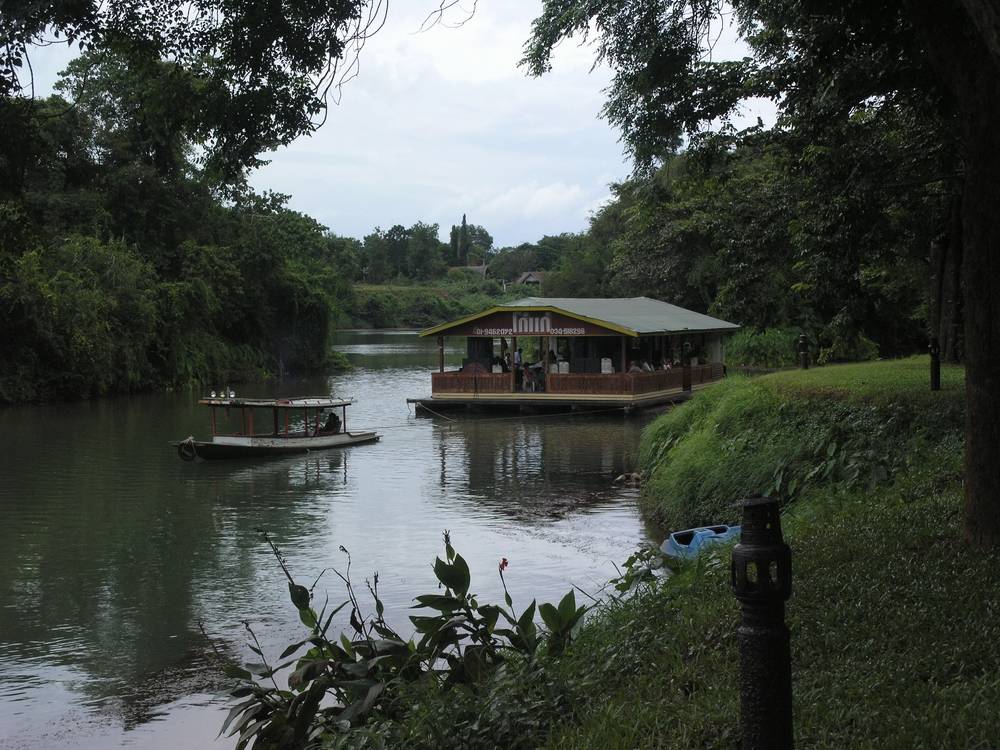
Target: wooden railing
{"points": [[577, 382], [464, 382]]}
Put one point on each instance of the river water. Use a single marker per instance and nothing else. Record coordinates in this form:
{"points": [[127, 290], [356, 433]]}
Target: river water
{"points": [[114, 554]]}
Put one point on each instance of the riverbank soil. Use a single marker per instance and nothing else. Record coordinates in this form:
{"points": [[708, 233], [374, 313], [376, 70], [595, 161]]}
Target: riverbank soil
{"points": [[895, 619]]}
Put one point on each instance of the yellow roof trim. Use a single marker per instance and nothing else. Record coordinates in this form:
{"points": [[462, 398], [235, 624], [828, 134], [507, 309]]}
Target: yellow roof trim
{"points": [[533, 308]]}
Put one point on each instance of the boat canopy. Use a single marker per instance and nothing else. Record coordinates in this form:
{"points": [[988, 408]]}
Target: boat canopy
{"points": [[278, 403]]}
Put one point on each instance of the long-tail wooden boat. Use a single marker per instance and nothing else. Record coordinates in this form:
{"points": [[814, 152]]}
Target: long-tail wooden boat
{"points": [[296, 425]]}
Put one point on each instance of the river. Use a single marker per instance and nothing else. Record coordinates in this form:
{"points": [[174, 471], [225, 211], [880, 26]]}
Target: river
{"points": [[114, 554]]}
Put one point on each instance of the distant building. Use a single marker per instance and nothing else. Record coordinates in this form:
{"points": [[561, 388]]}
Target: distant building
{"points": [[531, 277]]}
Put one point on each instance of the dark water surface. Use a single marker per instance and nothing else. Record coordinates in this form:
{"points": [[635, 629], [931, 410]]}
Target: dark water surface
{"points": [[112, 551]]}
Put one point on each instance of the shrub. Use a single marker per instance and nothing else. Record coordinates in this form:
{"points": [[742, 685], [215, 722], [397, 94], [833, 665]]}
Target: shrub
{"points": [[771, 347]]}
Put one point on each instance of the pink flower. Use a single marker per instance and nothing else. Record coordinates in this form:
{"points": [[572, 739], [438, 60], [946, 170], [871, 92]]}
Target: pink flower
{"points": [[503, 564]]}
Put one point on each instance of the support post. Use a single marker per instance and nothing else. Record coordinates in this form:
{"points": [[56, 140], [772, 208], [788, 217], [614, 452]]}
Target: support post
{"points": [[761, 578], [440, 353], [935, 350], [686, 366], [624, 355], [514, 367]]}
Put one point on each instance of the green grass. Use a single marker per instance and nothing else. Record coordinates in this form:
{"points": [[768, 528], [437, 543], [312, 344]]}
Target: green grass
{"points": [[409, 305], [783, 433]]}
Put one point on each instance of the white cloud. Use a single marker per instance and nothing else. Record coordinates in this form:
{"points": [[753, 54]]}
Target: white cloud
{"points": [[532, 201]]}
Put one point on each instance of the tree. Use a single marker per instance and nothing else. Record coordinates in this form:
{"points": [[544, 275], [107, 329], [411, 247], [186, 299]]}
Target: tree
{"points": [[823, 61], [424, 252], [463, 243], [264, 70]]}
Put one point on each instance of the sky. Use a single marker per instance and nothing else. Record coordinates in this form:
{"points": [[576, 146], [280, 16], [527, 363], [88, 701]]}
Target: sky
{"points": [[442, 122]]}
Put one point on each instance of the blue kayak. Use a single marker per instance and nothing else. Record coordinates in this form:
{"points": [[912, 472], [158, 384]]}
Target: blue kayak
{"points": [[688, 543]]}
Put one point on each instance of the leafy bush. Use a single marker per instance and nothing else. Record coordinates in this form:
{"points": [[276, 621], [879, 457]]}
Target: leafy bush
{"points": [[339, 684], [772, 347]]}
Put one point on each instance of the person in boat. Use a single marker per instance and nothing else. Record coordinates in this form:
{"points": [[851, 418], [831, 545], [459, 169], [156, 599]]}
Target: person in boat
{"points": [[332, 423]]}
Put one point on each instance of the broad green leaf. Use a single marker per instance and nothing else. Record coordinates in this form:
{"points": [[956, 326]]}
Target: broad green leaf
{"points": [[567, 607], [550, 615], [308, 617], [455, 576], [299, 595], [436, 601], [236, 672]]}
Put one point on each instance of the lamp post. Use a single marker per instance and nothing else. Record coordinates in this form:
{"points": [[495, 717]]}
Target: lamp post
{"points": [[935, 350], [803, 352], [761, 577]]}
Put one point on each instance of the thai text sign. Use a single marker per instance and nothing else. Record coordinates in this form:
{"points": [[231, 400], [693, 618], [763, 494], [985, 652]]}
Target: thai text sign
{"points": [[528, 324]]}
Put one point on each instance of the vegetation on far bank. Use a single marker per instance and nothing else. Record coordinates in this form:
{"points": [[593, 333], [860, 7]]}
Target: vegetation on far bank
{"points": [[893, 623], [420, 305]]}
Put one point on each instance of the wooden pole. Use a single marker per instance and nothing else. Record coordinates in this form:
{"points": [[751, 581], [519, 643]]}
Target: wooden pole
{"points": [[213, 421], [440, 353], [344, 422], [250, 423], [624, 354]]}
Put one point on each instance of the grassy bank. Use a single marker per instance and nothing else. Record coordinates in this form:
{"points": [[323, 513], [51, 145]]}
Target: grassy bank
{"points": [[894, 620], [410, 305]]}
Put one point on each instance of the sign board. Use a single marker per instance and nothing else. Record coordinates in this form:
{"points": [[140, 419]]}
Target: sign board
{"points": [[528, 324]]}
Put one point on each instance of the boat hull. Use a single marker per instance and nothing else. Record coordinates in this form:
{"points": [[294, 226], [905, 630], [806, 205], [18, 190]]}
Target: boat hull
{"points": [[247, 447]]}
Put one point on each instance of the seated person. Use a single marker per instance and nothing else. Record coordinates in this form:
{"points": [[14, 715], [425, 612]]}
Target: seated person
{"points": [[332, 423], [646, 366], [635, 367]]}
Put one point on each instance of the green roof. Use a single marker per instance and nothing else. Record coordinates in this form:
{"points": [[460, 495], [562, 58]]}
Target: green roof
{"points": [[635, 316]]}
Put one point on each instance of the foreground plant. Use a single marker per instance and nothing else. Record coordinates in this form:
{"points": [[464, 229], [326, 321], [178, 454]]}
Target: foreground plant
{"points": [[338, 683]]}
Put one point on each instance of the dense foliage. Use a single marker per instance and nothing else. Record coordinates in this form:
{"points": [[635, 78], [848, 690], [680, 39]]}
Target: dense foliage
{"points": [[120, 266], [339, 683]]}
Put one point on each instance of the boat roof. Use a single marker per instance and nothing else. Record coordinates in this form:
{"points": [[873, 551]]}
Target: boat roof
{"points": [[278, 403], [634, 316]]}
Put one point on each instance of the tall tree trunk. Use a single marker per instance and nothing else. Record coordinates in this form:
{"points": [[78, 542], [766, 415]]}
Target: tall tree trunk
{"points": [[962, 55], [981, 276], [945, 308]]}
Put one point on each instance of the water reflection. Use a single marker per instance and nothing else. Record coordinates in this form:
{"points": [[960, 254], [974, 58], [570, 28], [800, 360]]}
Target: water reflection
{"points": [[112, 551]]}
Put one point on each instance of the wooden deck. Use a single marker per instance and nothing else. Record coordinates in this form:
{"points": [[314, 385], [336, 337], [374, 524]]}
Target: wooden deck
{"points": [[567, 391]]}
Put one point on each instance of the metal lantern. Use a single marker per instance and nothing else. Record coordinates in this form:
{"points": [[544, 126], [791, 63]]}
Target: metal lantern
{"points": [[935, 350], [761, 576], [803, 352]]}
